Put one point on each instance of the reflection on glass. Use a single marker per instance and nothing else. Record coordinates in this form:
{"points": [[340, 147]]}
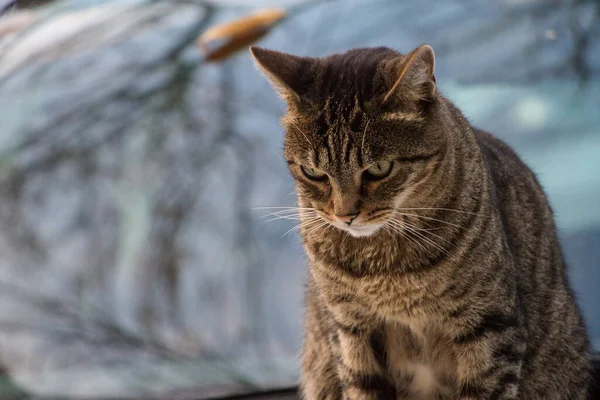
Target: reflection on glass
{"points": [[134, 261]]}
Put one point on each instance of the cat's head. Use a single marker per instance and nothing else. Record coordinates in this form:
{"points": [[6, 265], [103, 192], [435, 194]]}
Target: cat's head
{"points": [[361, 133]]}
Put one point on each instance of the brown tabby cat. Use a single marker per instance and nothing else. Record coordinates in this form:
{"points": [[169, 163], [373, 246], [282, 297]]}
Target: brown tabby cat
{"points": [[435, 268]]}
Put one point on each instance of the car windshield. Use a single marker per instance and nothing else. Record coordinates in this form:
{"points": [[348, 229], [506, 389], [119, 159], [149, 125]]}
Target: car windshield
{"points": [[138, 258]]}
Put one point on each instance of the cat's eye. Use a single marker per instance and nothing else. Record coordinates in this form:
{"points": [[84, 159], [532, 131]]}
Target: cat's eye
{"points": [[379, 170], [313, 173]]}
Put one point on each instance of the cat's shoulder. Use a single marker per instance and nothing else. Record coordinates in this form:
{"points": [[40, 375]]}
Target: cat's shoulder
{"points": [[505, 166], [499, 153]]}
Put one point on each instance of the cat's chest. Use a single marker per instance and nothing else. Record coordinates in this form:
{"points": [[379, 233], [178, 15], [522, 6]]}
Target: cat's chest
{"points": [[376, 275], [387, 296], [419, 360]]}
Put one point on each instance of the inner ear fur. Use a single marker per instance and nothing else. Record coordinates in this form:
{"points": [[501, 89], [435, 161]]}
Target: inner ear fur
{"points": [[414, 79]]}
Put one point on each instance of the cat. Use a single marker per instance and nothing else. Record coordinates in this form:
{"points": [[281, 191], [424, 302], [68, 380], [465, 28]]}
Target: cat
{"points": [[435, 271]]}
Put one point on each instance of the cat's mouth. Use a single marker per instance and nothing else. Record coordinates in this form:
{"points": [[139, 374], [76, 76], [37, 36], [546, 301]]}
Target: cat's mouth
{"points": [[355, 229], [361, 230]]}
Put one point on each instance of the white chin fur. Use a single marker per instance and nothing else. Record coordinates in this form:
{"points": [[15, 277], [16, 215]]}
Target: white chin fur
{"points": [[360, 231]]}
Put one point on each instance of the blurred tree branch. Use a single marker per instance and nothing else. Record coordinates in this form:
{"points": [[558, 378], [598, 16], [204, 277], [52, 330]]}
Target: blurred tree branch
{"points": [[94, 327], [160, 88]]}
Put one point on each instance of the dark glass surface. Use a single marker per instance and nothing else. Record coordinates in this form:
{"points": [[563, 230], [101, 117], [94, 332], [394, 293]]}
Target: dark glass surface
{"points": [[134, 262]]}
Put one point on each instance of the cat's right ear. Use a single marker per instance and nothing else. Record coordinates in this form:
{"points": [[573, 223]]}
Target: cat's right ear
{"points": [[286, 72], [414, 78]]}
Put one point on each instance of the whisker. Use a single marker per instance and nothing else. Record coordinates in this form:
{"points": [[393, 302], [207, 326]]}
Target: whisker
{"points": [[382, 214], [288, 213], [427, 240], [278, 218], [327, 227], [439, 209], [416, 240], [362, 145], [390, 229], [292, 217], [314, 228], [290, 230], [382, 230], [298, 226], [416, 228], [302, 132], [404, 230], [426, 229], [429, 218], [283, 207], [397, 230], [420, 246], [287, 217], [290, 210]]}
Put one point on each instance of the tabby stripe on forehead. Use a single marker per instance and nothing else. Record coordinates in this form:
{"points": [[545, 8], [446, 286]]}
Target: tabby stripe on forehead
{"points": [[356, 121], [321, 122], [337, 141], [316, 157], [328, 105], [359, 156], [356, 116], [347, 149], [327, 144]]}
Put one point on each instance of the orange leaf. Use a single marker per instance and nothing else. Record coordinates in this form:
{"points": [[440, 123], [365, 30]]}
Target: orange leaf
{"points": [[223, 40]]}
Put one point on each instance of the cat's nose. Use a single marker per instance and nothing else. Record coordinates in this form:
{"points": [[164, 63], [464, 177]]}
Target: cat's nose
{"points": [[347, 219]]}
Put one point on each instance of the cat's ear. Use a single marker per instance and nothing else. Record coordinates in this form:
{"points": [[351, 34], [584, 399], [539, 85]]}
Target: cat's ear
{"points": [[414, 78], [286, 72]]}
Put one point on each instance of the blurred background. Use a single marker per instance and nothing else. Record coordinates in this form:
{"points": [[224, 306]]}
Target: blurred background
{"points": [[134, 262]]}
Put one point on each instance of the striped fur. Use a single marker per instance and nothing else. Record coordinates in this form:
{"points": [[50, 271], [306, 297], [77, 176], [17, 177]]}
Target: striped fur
{"points": [[458, 289]]}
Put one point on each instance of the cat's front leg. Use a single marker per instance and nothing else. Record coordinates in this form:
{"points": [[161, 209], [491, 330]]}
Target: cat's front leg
{"points": [[489, 356], [360, 371], [319, 378], [360, 375]]}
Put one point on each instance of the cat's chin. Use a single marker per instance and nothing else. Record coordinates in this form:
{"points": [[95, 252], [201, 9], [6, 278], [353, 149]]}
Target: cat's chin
{"points": [[360, 231]]}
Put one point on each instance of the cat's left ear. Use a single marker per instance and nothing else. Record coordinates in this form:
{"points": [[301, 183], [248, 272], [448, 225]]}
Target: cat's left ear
{"points": [[415, 79]]}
